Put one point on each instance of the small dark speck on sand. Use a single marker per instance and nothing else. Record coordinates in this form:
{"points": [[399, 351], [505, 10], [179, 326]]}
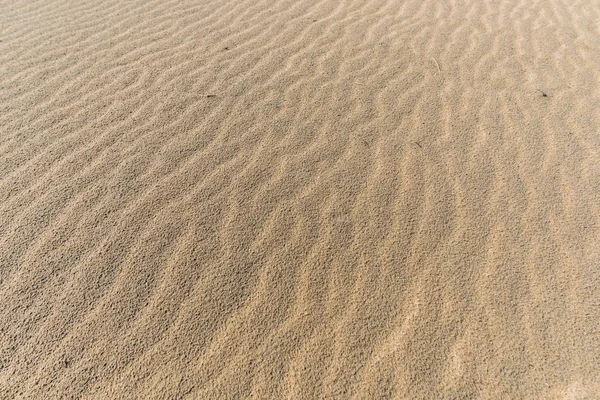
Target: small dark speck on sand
{"points": [[226, 48], [211, 95]]}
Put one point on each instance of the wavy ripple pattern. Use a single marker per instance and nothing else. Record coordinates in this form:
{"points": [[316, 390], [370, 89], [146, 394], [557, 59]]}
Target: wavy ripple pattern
{"points": [[299, 199]]}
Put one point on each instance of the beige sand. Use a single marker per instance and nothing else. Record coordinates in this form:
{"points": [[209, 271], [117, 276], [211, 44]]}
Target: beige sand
{"points": [[226, 199]]}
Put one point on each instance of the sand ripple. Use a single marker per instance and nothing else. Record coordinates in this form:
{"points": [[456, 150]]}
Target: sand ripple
{"points": [[300, 199]]}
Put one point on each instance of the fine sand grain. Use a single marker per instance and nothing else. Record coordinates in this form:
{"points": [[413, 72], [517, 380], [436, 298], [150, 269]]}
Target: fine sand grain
{"points": [[298, 199]]}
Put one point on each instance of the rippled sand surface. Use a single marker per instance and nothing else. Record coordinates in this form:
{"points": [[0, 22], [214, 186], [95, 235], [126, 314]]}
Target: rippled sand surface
{"points": [[269, 199]]}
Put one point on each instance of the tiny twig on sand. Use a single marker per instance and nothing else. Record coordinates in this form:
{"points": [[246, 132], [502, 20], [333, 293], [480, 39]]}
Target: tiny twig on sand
{"points": [[543, 93], [436, 64], [419, 144]]}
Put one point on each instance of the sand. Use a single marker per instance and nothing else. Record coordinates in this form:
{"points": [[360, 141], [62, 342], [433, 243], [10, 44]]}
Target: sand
{"points": [[224, 199]]}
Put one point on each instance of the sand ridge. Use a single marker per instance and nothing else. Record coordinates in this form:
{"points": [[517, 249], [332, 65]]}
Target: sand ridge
{"points": [[297, 199]]}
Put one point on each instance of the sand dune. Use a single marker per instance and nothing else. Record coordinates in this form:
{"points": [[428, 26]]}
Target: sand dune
{"points": [[300, 199]]}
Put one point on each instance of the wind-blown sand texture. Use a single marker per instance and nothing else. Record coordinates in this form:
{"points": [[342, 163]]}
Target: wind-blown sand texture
{"points": [[227, 199]]}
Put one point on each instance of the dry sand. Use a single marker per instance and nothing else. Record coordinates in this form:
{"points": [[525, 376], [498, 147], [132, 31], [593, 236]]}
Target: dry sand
{"points": [[227, 199]]}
